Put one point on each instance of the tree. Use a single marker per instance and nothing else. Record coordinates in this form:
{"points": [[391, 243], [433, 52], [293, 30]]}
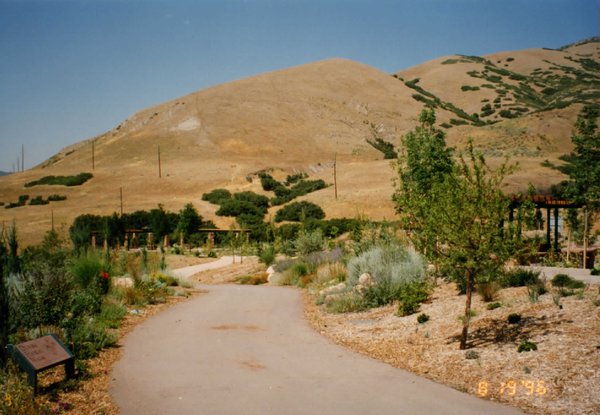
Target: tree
{"points": [[424, 161], [582, 166], [189, 221], [296, 211], [454, 210]]}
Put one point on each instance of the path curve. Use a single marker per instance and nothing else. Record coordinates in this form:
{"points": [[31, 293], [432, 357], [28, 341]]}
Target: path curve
{"points": [[187, 272], [248, 350]]}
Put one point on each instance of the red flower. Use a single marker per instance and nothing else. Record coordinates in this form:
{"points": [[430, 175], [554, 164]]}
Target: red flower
{"points": [[104, 275]]}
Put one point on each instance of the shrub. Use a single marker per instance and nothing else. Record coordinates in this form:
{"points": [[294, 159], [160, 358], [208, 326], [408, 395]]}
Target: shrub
{"points": [[595, 271], [296, 272], [513, 318], [217, 196], [565, 281], [38, 200], [422, 318], [267, 182], [76, 180], [90, 336], [112, 314], [267, 254], [15, 394], [307, 242], [493, 306], [519, 278], [260, 201], [86, 269], [294, 178], [411, 296], [391, 262], [167, 280], [257, 279], [349, 302], [236, 207], [56, 198], [488, 290], [299, 211], [526, 346], [534, 291]]}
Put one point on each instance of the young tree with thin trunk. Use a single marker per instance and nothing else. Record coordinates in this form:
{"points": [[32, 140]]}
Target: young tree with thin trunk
{"points": [[454, 211]]}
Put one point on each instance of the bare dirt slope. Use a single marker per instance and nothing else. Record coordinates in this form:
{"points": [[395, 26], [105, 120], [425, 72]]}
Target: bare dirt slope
{"points": [[298, 119]]}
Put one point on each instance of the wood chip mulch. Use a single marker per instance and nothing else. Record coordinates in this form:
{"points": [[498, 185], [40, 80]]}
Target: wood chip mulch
{"points": [[561, 377]]}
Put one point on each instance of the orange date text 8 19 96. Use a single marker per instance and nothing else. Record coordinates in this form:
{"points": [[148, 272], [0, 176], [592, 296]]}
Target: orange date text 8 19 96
{"points": [[512, 387]]}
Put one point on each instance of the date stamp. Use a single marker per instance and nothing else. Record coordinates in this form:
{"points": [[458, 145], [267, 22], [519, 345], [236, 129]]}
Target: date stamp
{"points": [[512, 387]]}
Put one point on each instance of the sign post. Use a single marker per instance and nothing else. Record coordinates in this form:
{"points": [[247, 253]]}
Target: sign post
{"points": [[37, 355]]}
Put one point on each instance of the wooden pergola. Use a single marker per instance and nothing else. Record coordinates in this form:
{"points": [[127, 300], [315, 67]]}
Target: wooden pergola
{"points": [[212, 231], [552, 206]]}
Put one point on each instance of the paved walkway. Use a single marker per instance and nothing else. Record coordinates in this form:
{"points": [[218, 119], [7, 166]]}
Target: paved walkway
{"points": [[576, 273], [187, 272], [248, 350]]}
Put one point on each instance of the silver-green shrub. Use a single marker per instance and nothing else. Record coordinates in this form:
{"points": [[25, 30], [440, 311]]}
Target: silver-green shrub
{"points": [[392, 264]]}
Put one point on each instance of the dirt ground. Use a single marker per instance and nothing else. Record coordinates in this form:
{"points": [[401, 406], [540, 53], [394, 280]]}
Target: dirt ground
{"points": [[561, 377]]}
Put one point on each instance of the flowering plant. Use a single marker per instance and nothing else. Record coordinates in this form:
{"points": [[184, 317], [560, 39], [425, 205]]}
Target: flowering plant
{"points": [[104, 281]]}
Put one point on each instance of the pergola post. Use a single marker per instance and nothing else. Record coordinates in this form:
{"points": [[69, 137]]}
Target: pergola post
{"points": [[548, 240], [556, 245]]}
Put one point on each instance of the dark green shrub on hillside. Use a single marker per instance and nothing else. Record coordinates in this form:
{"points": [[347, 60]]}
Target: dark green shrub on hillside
{"points": [[267, 182], [38, 200], [76, 180], [56, 198], [236, 208], [508, 114], [387, 148], [298, 211], [300, 189], [294, 178], [260, 201], [217, 196]]}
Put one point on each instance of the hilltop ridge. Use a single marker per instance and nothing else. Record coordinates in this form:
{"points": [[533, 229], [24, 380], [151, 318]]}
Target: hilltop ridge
{"points": [[519, 104]]}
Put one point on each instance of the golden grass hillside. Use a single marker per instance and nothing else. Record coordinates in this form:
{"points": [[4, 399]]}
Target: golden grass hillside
{"points": [[299, 119]]}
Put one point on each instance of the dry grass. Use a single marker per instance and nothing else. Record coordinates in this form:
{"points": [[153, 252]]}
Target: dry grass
{"points": [[567, 359], [291, 120]]}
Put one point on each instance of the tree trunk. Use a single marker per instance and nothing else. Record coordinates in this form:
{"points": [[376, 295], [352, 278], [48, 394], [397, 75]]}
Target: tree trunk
{"points": [[467, 317], [585, 237]]}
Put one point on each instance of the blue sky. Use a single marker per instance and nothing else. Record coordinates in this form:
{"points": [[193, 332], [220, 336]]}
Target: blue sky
{"points": [[73, 69]]}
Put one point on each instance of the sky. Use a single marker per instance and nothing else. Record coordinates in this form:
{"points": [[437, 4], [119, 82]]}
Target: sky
{"points": [[74, 69]]}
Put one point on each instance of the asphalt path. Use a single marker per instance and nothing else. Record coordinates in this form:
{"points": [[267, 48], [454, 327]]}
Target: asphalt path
{"points": [[187, 272], [248, 350]]}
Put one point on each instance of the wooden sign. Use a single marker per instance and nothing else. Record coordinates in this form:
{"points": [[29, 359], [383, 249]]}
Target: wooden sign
{"points": [[44, 353]]}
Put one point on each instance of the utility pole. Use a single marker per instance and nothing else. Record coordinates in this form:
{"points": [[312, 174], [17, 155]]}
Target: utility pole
{"points": [[335, 174], [159, 167]]}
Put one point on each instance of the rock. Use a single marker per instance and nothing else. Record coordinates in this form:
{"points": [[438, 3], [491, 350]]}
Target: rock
{"points": [[122, 282], [366, 280], [334, 289], [270, 272]]}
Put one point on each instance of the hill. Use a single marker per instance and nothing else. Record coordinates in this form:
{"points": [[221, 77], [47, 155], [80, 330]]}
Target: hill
{"points": [[301, 118]]}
